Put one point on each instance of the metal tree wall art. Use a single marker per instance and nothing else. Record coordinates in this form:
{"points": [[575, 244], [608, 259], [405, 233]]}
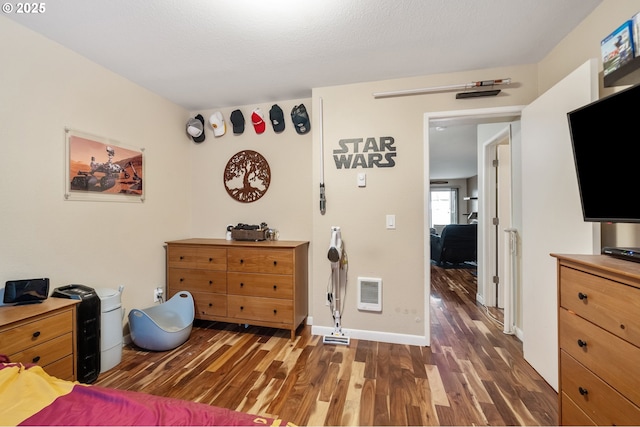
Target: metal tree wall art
{"points": [[247, 176]]}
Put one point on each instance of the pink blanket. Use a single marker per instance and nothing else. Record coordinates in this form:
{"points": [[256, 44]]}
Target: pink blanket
{"points": [[34, 398]]}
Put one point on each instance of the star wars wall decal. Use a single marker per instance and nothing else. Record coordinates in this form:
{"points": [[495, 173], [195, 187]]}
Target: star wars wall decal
{"points": [[365, 153]]}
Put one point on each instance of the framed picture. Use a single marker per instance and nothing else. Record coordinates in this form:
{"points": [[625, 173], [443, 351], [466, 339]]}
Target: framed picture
{"points": [[101, 169]]}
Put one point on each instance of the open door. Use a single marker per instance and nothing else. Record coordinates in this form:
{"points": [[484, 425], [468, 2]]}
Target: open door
{"points": [[503, 207], [495, 213], [551, 215]]}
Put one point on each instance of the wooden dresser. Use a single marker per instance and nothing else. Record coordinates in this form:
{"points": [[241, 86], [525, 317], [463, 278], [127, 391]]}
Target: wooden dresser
{"points": [[43, 333], [599, 340], [258, 283]]}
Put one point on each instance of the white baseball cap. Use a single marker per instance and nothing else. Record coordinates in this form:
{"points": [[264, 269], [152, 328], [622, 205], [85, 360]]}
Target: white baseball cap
{"points": [[195, 128], [217, 123]]}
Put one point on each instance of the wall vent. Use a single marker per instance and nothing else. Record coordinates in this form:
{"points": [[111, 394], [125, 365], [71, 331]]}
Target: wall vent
{"points": [[369, 294]]}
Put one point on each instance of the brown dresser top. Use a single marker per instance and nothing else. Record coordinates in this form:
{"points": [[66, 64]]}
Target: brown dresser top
{"points": [[605, 265], [10, 314], [241, 243]]}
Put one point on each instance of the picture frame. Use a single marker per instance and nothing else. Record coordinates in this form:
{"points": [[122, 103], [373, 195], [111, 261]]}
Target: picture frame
{"points": [[102, 169]]}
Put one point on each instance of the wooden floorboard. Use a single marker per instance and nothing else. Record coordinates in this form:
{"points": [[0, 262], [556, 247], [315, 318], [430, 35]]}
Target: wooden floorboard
{"points": [[472, 374]]}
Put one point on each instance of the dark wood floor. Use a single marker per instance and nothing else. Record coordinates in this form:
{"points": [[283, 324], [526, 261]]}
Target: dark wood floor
{"points": [[472, 374]]}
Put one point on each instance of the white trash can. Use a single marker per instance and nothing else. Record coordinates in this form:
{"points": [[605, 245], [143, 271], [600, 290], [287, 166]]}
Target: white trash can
{"points": [[110, 327]]}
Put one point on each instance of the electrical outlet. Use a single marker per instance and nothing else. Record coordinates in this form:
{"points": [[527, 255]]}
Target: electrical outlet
{"points": [[157, 294]]}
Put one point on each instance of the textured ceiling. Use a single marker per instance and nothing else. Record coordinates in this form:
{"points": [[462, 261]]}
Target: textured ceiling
{"points": [[205, 54]]}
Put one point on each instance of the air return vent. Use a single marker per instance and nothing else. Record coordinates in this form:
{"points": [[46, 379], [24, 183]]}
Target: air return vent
{"points": [[369, 294]]}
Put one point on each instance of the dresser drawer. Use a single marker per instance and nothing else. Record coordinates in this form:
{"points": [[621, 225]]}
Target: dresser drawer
{"points": [[210, 258], [260, 285], [597, 399], [255, 308], [46, 352], [572, 415], [197, 280], [38, 331], [62, 368], [609, 357], [611, 305], [271, 261], [207, 304]]}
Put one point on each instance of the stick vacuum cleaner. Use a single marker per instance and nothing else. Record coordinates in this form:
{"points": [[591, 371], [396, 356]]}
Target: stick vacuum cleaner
{"points": [[338, 260]]}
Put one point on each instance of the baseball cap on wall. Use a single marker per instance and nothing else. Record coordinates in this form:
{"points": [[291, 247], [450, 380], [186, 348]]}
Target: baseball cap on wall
{"points": [[257, 118], [217, 123], [195, 128], [237, 119], [276, 115], [300, 119]]}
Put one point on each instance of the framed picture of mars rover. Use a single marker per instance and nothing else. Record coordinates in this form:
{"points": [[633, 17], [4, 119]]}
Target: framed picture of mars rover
{"points": [[101, 169]]}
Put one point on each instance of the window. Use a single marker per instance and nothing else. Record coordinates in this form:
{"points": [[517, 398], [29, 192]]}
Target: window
{"points": [[444, 206]]}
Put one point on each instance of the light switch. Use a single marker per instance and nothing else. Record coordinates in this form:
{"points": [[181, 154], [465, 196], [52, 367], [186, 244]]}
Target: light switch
{"points": [[362, 179], [391, 222]]}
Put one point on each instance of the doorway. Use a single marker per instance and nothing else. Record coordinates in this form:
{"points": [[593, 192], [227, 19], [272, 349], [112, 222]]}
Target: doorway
{"points": [[462, 117]]}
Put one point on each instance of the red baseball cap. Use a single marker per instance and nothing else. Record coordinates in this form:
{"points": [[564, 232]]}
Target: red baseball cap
{"points": [[257, 118]]}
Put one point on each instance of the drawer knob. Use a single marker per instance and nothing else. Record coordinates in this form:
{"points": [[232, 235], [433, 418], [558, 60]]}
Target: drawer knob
{"points": [[275, 263], [275, 311], [211, 282], [182, 279], [582, 343], [241, 307], [582, 296], [241, 285], [210, 259], [36, 334], [36, 359], [210, 304], [275, 287], [181, 257], [241, 261], [583, 391]]}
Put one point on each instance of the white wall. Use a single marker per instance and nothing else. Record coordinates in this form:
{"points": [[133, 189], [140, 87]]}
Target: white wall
{"points": [[286, 204], [46, 88], [551, 213]]}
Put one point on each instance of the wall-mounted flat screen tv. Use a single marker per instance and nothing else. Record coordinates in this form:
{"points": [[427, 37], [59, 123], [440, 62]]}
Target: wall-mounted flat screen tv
{"points": [[605, 136]]}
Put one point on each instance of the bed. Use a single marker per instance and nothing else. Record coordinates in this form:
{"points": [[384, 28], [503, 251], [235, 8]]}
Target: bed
{"points": [[29, 396]]}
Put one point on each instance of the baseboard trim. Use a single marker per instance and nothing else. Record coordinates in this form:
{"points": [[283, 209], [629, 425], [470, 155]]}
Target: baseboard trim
{"points": [[387, 337], [518, 333]]}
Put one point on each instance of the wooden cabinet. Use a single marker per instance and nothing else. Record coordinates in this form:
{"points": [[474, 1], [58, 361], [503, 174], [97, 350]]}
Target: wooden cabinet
{"points": [[259, 283], [599, 340], [43, 333]]}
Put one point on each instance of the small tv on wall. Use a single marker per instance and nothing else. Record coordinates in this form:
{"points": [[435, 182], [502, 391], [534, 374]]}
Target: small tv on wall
{"points": [[605, 136]]}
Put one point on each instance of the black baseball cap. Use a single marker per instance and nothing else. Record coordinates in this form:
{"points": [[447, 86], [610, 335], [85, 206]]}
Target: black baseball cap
{"points": [[300, 119], [237, 119], [276, 115]]}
